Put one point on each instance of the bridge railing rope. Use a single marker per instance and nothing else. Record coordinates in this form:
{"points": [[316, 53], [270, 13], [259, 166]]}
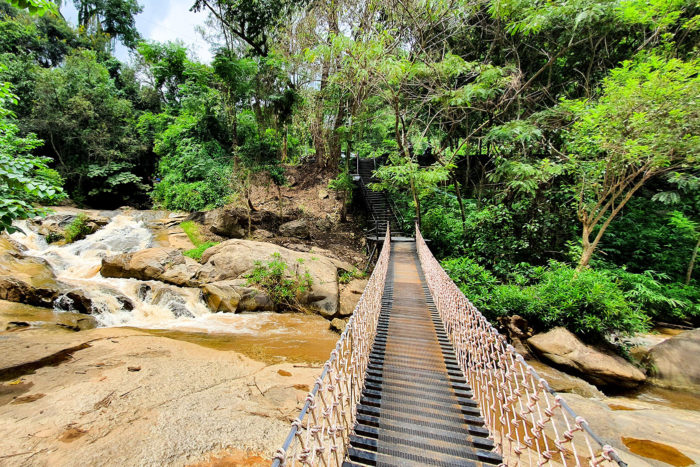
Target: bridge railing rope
{"points": [[530, 423], [320, 434]]}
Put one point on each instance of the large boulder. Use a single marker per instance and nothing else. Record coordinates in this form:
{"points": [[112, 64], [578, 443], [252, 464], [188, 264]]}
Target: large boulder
{"points": [[298, 228], [675, 363], [53, 227], [161, 264], [227, 222], [232, 259], [221, 296], [565, 350], [25, 279], [350, 295]]}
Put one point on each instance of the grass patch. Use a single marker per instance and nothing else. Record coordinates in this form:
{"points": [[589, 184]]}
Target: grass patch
{"points": [[78, 229], [192, 230], [196, 253]]}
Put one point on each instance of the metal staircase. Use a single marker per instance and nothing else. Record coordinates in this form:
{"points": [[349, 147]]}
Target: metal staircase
{"points": [[379, 205]]}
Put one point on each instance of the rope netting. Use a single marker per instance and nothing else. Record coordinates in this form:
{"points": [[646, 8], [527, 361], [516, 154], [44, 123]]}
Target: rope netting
{"points": [[320, 434], [530, 423]]}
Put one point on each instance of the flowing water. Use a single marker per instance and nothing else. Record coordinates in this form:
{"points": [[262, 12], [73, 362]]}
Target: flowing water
{"points": [[170, 311]]}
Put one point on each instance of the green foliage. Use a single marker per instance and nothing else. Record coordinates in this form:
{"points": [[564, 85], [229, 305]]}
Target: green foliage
{"points": [[113, 18], [89, 130], [252, 21], [196, 253], [472, 279], [588, 303], [346, 276], [24, 179], [646, 237], [195, 176], [36, 7], [78, 229], [285, 286], [662, 301]]}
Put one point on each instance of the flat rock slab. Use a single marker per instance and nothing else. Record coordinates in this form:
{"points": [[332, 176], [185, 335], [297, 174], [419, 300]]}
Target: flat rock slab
{"points": [[185, 403], [26, 351]]}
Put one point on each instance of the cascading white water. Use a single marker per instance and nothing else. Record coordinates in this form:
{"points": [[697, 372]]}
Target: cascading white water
{"points": [[156, 305]]}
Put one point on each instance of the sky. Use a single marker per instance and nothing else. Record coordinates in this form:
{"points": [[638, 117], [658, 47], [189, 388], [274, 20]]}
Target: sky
{"points": [[161, 20]]}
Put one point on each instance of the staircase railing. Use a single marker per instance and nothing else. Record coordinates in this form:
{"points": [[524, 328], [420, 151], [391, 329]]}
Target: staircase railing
{"points": [[530, 423], [320, 434], [392, 209]]}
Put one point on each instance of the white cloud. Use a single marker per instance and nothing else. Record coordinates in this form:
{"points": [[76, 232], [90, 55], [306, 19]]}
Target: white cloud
{"points": [[162, 20], [172, 20]]}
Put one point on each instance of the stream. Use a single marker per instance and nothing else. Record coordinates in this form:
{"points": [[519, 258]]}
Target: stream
{"points": [[168, 310]]}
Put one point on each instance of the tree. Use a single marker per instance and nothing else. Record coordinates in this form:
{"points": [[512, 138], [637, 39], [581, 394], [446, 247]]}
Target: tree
{"points": [[112, 17], [36, 7], [24, 178], [254, 22], [645, 123], [404, 173], [89, 130]]}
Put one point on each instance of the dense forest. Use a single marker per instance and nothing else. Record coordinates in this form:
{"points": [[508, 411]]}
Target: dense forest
{"points": [[548, 149]]}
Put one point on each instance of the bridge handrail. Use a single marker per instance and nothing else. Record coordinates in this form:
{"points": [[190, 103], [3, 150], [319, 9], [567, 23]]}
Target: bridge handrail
{"points": [[529, 422], [320, 434]]}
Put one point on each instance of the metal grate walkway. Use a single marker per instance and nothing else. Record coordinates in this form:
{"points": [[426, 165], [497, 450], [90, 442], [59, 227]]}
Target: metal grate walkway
{"points": [[416, 407]]}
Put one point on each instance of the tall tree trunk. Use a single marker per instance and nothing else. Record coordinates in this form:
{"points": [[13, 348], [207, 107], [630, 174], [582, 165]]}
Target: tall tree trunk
{"points": [[691, 265], [588, 246], [461, 203]]}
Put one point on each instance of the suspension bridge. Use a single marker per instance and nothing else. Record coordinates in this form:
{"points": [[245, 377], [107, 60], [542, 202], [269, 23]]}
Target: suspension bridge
{"points": [[420, 377]]}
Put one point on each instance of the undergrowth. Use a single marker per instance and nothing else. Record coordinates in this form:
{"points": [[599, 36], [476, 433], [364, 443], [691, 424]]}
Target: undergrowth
{"points": [[285, 286]]}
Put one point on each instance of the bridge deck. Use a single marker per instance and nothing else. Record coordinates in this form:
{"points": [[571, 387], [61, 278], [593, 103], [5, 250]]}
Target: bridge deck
{"points": [[416, 408]]}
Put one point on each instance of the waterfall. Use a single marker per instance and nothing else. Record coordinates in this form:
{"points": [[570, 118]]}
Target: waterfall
{"points": [[156, 305]]}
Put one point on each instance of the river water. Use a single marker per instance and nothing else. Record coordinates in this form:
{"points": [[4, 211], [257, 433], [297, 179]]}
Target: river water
{"points": [[170, 311]]}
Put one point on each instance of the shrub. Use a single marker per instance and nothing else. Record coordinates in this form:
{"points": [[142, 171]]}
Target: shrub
{"points": [[196, 253], [475, 281], [78, 229], [674, 302], [346, 276], [588, 303], [284, 287]]}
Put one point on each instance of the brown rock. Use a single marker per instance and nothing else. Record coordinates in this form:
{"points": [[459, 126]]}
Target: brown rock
{"points": [[298, 228], [232, 259], [350, 295], [227, 222], [338, 325], [675, 363], [25, 279], [564, 349], [563, 382], [134, 368], [221, 296], [162, 264], [283, 373]]}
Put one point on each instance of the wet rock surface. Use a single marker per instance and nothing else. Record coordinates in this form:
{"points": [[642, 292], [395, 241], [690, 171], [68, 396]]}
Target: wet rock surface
{"points": [[25, 279], [162, 264]]}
